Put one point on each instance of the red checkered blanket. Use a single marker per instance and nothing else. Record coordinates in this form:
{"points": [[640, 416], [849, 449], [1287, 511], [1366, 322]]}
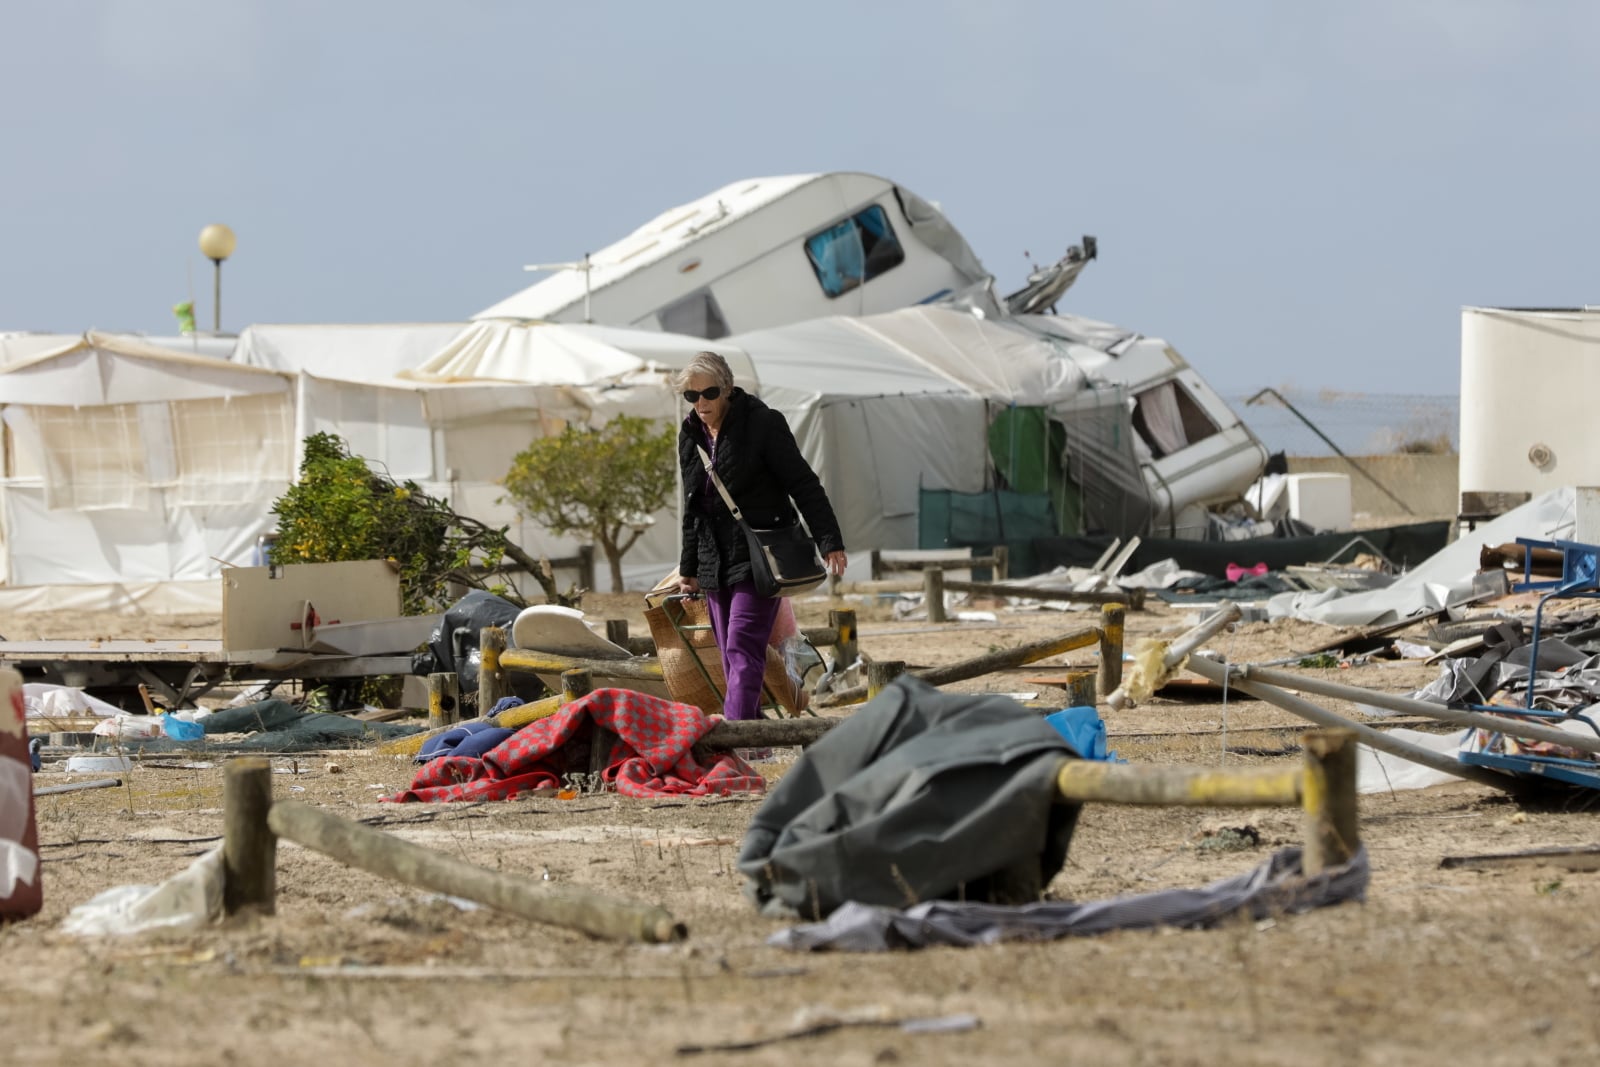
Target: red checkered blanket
{"points": [[651, 757]]}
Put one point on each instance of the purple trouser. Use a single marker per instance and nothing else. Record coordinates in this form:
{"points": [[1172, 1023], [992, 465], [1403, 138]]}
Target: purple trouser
{"points": [[742, 621]]}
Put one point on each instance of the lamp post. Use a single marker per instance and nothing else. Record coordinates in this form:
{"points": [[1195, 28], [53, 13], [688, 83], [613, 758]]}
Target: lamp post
{"points": [[216, 244]]}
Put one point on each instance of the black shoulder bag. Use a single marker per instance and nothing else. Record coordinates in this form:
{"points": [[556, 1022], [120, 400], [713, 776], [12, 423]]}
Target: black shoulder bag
{"points": [[783, 562]]}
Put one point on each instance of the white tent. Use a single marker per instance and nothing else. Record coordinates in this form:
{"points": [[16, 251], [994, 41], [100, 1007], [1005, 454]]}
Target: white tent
{"points": [[131, 469]]}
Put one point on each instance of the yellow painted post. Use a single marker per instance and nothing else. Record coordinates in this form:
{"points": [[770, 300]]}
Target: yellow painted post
{"points": [[444, 700], [1080, 689], [491, 679], [1112, 618], [1332, 827], [845, 649], [576, 683]]}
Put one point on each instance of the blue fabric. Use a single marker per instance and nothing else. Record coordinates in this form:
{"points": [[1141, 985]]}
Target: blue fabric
{"points": [[468, 739], [35, 747], [181, 729], [873, 221], [506, 704], [1084, 731]]}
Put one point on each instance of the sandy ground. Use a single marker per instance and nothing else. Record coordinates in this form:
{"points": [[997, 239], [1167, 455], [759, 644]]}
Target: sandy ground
{"points": [[1438, 965]]}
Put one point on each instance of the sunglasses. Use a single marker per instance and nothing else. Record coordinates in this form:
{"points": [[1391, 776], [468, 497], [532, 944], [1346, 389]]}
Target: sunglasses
{"points": [[693, 395]]}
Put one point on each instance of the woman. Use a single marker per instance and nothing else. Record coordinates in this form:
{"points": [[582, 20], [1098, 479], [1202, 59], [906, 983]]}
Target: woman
{"points": [[756, 457]]}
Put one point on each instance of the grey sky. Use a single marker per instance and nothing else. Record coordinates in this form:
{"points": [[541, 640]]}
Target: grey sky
{"points": [[1292, 193]]}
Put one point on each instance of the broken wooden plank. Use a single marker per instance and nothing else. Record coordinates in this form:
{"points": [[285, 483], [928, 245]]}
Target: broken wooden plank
{"points": [[1578, 858], [977, 666]]}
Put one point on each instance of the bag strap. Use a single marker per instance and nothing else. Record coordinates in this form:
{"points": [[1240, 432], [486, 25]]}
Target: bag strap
{"points": [[705, 457]]}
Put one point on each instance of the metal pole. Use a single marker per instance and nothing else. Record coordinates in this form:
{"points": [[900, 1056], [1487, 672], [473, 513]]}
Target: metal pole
{"points": [[216, 298], [1515, 727], [1217, 672], [1329, 442]]}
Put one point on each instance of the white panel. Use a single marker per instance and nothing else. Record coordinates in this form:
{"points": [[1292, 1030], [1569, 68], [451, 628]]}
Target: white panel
{"points": [[1506, 358]]}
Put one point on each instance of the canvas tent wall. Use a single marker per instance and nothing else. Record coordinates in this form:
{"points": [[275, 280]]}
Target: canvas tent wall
{"points": [[760, 253], [131, 469]]}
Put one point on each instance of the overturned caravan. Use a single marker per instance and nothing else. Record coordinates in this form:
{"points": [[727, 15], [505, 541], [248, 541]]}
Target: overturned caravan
{"points": [[764, 252], [933, 426]]}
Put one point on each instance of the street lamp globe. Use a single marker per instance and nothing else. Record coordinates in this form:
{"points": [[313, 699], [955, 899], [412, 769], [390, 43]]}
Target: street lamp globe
{"points": [[217, 242]]}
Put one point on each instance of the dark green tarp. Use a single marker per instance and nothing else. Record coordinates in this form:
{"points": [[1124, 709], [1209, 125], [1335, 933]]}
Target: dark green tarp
{"points": [[1404, 546]]}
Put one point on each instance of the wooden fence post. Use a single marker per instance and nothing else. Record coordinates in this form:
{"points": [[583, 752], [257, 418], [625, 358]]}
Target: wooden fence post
{"points": [[575, 685], [877, 565], [617, 632], [444, 700], [1080, 689], [492, 684], [1332, 829], [880, 673], [1002, 563], [249, 848], [845, 649], [586, 567], [1112, 619], [933, 594]]}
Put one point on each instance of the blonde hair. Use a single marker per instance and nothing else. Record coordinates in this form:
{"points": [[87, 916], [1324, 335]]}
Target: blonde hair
{"points": [[711, 366]]}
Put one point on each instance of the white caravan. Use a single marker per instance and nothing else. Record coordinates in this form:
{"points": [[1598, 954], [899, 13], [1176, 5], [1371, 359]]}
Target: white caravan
{"points": [[760, 253]]}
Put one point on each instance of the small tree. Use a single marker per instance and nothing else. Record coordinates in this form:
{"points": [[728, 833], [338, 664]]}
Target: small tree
{"points": [[602, 483], [341, 509]]}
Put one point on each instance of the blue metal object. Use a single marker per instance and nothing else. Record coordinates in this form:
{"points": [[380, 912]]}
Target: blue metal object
{"points": [[1571, 771], [1580, 578]]}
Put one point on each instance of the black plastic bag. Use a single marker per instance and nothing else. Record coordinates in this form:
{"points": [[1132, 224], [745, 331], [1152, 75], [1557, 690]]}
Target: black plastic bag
{"points": [[453, 646]]}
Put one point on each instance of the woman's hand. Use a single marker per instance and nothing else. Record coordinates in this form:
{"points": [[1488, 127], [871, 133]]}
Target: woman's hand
{"points": [[836, 562], [689, 586]]}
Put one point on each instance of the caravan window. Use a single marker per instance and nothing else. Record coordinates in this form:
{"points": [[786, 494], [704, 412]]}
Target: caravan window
{"points": [[696, 315], [855, 251], [1169, 419]]}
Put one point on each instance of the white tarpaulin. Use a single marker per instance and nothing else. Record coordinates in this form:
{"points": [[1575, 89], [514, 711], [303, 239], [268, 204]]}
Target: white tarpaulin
{"points": [[1444, 579], [536, 354], [345, 352]]}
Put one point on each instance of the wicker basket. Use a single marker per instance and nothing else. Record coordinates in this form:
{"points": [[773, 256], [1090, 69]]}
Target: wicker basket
{"points": [[691, 663]]}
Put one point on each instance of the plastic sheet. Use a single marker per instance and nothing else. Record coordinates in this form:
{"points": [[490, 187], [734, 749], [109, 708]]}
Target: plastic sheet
{"points": [[186, 901]]}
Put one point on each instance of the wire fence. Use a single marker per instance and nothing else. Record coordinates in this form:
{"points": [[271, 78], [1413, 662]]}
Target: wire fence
{"points": [[1362, 424]]}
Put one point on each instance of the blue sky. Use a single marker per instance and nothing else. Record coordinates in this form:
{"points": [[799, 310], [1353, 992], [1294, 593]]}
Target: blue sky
{"points": [[1294, 194]]}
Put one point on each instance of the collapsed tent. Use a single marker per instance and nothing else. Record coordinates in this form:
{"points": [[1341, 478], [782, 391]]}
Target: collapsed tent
{"points": [[894, 410]]}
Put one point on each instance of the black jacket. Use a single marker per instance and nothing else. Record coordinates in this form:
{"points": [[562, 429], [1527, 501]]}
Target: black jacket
{"points": [[761, 465]]}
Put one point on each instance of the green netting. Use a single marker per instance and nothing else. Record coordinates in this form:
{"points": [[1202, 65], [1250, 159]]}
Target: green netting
{"points": [[947, 519], [1027, 448]]}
